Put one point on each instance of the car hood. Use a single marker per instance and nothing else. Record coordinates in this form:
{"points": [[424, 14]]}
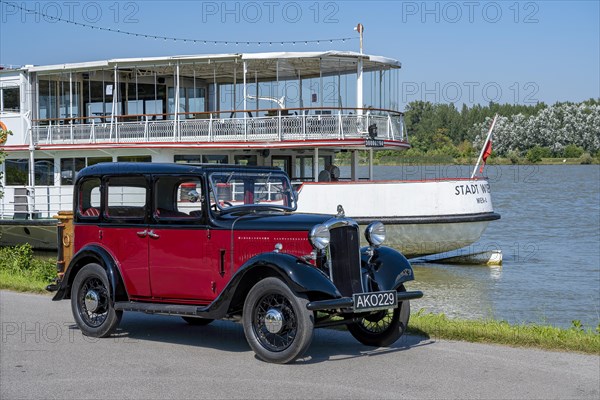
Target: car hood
{"points": [[270, 221]]}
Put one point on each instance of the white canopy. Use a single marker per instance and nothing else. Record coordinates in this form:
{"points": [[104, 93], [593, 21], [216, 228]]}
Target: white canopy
{"points": [[264, 65]]}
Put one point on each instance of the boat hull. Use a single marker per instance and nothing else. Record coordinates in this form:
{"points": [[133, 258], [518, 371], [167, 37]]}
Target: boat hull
{"points": [[40, 234], [415, 240], [421, 217]]}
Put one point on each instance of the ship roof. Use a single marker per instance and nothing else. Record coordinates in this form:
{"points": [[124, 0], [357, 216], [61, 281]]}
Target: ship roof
{"points": [[305, 64]]}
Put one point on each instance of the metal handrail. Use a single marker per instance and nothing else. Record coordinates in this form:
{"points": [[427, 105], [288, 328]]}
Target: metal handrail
{"points": [[222, 126]]}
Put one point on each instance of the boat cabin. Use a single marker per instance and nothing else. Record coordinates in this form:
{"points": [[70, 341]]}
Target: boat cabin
{"points": [[294, 111]]}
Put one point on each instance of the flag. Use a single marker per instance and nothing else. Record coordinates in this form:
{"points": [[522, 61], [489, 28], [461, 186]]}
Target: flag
{"points": [[486, 153]]}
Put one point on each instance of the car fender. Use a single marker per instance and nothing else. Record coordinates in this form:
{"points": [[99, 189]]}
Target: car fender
{"points": [[99, 255], [388, 267], [299, 275]]}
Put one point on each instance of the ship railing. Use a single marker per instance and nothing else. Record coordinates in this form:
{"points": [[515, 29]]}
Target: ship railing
{"points": [[224, 126], [21, 202]]}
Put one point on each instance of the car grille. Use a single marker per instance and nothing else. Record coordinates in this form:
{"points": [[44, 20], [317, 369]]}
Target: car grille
{"points": [[345, 260]]}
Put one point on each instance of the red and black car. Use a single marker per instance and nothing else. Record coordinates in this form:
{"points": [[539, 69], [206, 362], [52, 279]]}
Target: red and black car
{"points": [[209, 242]]}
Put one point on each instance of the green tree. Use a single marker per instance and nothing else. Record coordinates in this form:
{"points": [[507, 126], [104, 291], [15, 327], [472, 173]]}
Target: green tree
{"points": [[572, 151], [536, 153]]}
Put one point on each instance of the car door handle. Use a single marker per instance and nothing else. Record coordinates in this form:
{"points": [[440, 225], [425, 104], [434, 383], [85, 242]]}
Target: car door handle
{"points": [[153, 235], [143, 234]]}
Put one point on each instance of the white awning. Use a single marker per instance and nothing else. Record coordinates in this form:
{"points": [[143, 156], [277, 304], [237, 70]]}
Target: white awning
{"points": [[308, 63]]}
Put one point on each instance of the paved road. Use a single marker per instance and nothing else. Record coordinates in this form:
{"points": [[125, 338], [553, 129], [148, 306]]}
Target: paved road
{"points": [[43, 355]]}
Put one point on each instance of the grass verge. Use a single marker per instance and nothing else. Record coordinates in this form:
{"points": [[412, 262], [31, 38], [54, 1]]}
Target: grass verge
{"points": [[21, 271], [438, 326], [22, 283]]}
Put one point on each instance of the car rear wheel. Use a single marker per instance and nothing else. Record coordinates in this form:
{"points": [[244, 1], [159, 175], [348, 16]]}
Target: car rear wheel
{"points": [[91, 302], [277, 324], [382, 328], [197, 321]]}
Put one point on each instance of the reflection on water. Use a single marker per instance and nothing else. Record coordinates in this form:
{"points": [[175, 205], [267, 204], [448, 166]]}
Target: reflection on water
{"points": [[457, 291]]}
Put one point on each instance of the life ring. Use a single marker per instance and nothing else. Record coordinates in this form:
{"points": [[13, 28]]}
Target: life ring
{"points": [[3, 133]]}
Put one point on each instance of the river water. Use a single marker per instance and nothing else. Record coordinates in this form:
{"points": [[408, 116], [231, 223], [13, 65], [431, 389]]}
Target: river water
{"points": [[549, 234]]}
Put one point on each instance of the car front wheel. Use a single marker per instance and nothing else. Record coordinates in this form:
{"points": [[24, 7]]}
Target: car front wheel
{"points": [[91, 302], [276, 322], [382, 328]]}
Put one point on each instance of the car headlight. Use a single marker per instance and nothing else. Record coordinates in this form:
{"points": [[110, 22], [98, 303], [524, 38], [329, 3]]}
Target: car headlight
{"points": [[375, 233], [319, 237]]}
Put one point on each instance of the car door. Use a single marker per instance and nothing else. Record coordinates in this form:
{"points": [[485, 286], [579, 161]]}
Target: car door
{"points": [[180, 268], [124, 230]]}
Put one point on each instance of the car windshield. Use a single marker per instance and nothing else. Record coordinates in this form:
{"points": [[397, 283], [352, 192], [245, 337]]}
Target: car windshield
{"points": [[235, 190]]}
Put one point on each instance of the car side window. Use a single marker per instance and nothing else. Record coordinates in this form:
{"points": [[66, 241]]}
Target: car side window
{"points": [[178, 200], [88, 206], [126, 199]]}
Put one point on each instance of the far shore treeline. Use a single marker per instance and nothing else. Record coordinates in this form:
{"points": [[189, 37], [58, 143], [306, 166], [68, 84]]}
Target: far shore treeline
{"points": [[442, 133]]}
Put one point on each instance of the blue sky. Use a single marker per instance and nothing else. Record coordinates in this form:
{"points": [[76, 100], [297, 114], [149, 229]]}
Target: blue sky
{"points": [[452, 51]]}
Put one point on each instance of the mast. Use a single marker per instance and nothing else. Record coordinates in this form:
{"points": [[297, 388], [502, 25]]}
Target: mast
{"points": [[359, 72], [31, 177]]}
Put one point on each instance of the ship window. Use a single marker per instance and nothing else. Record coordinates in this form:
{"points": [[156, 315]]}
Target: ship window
{"points": [[187, 159], [44, 172], [171, 102], [98, 100], [98, 160], [190, 100], [11, 100], [154, 107], [215, 159], [17, 172], [304, 166], [196, 100], [245, 159], [69, 167], [283, 163], [48, 97], [135, 158]]}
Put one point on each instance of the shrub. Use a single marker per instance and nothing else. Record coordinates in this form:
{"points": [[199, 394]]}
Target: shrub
{"points": [[466, 149], [447, 151], [572, 151], [536, 153], [20, 260], [513, 156], [586, 159]]}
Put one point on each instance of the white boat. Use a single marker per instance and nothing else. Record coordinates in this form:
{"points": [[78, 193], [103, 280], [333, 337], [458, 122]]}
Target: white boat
{"points": [[292, 110]]}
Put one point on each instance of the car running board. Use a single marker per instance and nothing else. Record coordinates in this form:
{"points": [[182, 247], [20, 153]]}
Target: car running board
{"points": [[169, 309]]}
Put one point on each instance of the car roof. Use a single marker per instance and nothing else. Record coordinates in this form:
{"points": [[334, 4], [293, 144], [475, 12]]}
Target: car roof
{"points": [[134, 168]]}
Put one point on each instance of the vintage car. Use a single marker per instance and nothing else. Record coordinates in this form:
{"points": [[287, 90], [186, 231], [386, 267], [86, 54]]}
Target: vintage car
{"points": [[208, 242]]}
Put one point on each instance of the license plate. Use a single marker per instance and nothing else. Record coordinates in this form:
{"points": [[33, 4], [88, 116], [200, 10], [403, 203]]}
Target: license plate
{"points": [[375, 301]]}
